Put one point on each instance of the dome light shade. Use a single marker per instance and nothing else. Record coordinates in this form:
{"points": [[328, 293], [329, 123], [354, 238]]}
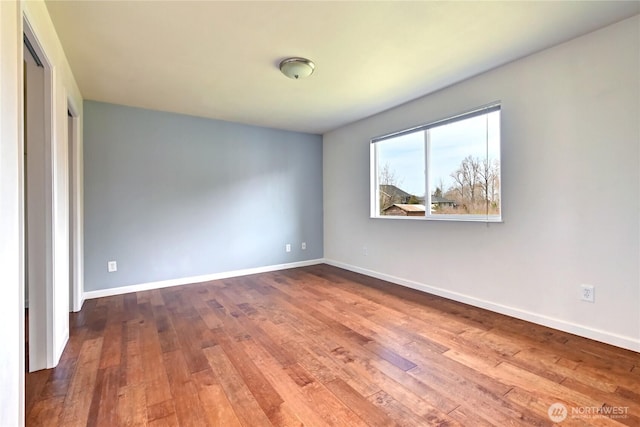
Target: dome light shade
{"points": [[297, 68]]}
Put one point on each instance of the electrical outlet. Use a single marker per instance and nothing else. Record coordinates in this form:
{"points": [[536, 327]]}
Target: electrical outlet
{"points": [[365, 251], [304, 246], [112, 266], [587, 293], [287, 247]]}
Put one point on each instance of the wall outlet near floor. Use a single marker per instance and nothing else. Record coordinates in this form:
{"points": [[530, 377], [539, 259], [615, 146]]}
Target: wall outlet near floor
{"points": [[304, 246], [287, 247], [365, 251], [112, 266], [587, 293]]}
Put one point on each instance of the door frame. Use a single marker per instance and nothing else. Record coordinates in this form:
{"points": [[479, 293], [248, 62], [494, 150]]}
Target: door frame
{"points": [[76, 212]]}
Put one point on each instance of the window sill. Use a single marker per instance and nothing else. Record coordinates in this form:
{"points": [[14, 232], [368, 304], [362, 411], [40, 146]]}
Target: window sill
{"points": [[447, 218]]}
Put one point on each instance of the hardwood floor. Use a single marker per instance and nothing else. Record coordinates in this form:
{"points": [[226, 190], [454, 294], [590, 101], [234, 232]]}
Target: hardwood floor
{"points": [[323, 346]]}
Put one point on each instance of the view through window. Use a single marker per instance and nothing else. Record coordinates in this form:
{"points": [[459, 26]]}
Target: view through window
{"points": [[449, 169]]}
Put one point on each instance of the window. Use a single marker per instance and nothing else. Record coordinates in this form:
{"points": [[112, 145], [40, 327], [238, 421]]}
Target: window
{"points": [[449, 169]]}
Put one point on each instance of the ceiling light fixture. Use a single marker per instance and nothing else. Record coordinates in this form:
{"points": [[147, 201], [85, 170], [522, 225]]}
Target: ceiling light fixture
{"points": [[297, 68]]}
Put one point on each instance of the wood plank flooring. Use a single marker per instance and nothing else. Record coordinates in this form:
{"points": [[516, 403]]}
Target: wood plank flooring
{"points": [[321, 346]]}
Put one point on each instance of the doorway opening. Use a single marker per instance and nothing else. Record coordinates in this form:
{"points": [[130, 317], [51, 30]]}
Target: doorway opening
{"points": [[38, 186]]}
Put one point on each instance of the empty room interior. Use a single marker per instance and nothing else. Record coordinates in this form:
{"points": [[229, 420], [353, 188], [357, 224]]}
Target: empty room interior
{"points": [[320, 213]]}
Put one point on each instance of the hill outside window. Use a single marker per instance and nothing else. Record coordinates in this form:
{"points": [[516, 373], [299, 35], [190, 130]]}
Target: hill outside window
{"points": [[445, 170]]}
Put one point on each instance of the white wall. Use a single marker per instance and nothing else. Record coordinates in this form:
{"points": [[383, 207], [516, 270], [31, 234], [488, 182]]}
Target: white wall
{"points": [[11, 286], [571, 193], [11, 188]]}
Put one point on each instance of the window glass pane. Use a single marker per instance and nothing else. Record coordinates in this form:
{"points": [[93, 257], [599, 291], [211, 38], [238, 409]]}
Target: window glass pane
{"points": [[400, 172], [464, 166], [448, 169]]}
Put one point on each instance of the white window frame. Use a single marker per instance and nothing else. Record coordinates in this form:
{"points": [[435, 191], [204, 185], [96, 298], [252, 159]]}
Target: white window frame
{"points": [[428, 216]]}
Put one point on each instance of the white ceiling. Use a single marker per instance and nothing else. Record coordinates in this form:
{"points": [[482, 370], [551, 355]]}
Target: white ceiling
{"points": [[220, 59]]}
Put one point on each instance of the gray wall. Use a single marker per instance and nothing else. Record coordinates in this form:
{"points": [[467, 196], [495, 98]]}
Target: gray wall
{"points": [[170, 196], [570, 193]]}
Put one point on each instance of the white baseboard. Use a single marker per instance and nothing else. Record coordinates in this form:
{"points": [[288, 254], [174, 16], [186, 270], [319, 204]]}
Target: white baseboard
{"points": [[562, 325], [194, 279], [551, 322]]}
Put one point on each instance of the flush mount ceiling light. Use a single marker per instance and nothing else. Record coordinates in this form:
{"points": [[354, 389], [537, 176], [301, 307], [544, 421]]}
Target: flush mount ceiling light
{"points": [[297, 68]]}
